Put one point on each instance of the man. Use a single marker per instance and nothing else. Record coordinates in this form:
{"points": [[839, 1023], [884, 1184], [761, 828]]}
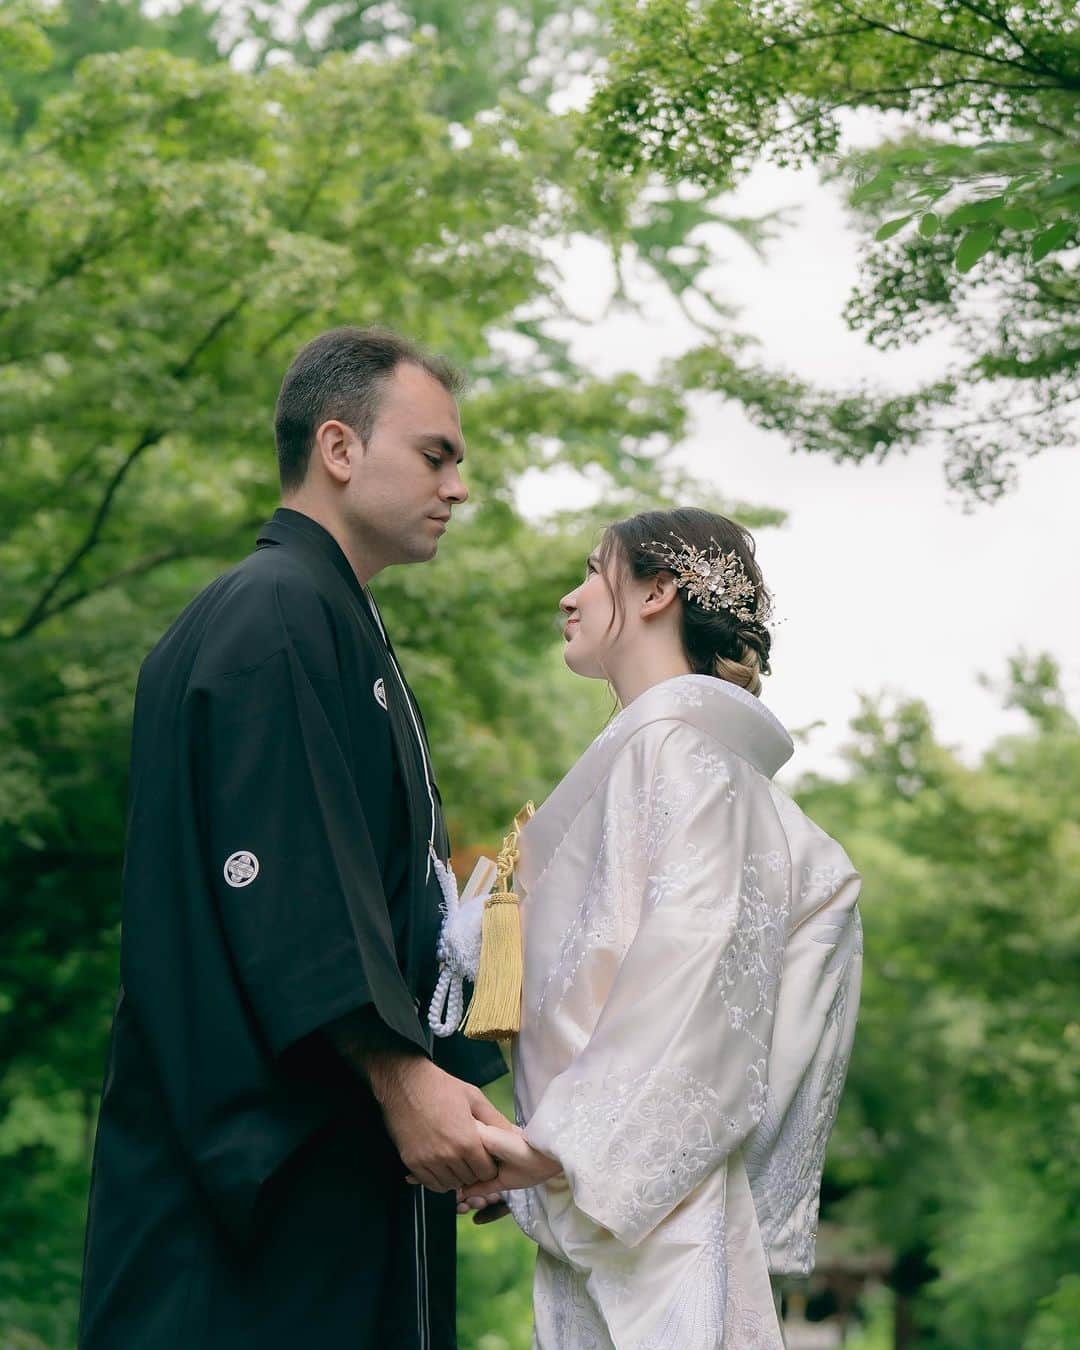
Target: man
{"points": [[271, 1080]]}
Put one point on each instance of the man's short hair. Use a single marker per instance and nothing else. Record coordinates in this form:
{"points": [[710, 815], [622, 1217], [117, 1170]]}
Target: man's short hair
{"points": [[341, 375]]}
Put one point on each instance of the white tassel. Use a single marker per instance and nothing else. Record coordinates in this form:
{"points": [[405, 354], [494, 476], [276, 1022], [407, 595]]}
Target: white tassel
{"points": [[459, 942]]}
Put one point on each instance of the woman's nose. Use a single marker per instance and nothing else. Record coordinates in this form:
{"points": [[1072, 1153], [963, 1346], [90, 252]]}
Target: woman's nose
{"points": [[566, 604]]}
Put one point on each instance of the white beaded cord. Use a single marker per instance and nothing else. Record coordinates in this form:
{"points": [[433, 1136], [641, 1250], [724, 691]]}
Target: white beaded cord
{"points": [[448, 1000]]}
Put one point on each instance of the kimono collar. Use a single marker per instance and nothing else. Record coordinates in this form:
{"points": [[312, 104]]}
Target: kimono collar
{"points": [[287, 526], [729, 714], [719, 709]]}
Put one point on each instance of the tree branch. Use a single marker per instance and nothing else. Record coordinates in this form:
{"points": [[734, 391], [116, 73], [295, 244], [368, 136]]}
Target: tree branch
{"points": [[42, 607], [87, 253], [183, 368], [282, 330], [774, 43], [1001, 21], [15, 520], [997, 418], [39, 610], [938, 44], [207, 548]]}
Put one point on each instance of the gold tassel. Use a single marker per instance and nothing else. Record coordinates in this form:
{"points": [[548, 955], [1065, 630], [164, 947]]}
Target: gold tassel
{"points": [[495, 1010]]}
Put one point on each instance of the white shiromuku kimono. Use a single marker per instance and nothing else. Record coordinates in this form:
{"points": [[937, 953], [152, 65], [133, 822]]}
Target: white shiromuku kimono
{"points": [[692, 964]]}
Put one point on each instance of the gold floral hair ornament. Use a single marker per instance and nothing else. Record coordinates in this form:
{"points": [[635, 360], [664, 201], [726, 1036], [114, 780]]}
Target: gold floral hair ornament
{"points": [[715, 580]]}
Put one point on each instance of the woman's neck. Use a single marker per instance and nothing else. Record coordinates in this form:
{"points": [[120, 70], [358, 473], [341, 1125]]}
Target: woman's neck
{"points": [[641, 670]]}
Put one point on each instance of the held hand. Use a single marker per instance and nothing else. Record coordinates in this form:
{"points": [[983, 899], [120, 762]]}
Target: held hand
{"points": [[430, 1117], [520, 1164], [483, 1111]]}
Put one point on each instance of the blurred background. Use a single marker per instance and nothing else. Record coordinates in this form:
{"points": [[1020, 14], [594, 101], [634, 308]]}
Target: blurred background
{"points": [[812, 264]]}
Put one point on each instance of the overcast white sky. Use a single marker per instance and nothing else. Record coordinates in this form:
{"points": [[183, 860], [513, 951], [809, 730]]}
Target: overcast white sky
{"points": [[881, 580]]}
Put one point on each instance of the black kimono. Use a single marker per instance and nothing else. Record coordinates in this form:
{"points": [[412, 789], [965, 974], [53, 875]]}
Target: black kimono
{"points": [[245, 1191]]}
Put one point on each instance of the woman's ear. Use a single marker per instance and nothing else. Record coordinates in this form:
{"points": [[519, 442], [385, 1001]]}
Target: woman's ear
{"points": [[659, 595]]}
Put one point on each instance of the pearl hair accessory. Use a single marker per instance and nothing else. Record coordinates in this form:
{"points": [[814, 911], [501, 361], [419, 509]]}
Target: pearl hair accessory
{"points": [[715, 580]]}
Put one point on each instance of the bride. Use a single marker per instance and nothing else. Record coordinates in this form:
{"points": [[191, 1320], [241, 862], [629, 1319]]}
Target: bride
{"points": [[692, 954]]}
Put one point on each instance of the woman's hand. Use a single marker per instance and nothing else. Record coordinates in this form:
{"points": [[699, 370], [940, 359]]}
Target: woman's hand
{"points": [[520, 1165]]}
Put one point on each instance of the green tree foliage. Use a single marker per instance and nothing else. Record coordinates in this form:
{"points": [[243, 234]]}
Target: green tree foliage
{"points": [[960, 1119], [530, 47], [974, 210]]}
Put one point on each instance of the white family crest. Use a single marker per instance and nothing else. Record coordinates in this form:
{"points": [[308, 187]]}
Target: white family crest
{"points": [[379, 691], [241, 868]]}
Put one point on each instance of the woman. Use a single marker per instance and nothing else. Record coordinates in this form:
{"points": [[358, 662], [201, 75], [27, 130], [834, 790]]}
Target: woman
{"points": [[692, 959]]}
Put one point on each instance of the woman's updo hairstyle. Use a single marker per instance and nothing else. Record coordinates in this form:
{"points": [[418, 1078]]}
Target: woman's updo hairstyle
{"points": [[716, 641]]}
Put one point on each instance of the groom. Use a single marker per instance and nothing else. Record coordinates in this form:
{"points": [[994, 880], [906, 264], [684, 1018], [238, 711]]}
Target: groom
{"points": [[271, 1078]]}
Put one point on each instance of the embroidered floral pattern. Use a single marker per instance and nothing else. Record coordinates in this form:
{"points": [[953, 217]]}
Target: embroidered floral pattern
{"points": [[522, 1207], [785, 1156], [750, 973], [747, 1327], [687, 693], [572, 1320], [636, 828], [648, 1138], [695, 1315], [715, 768], [609, 731], [708, 1310], [819, 883], [672, 880]]}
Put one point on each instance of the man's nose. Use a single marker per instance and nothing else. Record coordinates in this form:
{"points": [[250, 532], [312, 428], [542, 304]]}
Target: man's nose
{"points": [[454, 489]]}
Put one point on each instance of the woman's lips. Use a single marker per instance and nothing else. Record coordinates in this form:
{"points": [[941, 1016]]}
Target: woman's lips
{"points": [[569, 629]]}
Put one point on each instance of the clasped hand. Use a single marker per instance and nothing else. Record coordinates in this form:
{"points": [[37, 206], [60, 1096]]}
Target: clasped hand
{"points": [[520, 1166]]}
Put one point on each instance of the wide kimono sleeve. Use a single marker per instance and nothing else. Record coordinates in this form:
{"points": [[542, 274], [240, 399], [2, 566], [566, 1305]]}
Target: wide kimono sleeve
{"points": [[295, 874], [674, 1076]]}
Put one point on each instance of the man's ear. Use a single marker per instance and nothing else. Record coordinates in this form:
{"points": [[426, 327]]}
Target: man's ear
{"points": [[337, 447], [659, 596]]}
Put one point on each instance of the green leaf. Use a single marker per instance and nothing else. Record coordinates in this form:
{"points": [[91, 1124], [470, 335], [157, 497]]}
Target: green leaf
{"points": [[1018, 218], [1064, 182], [930, 224], [880, 185], [892, 227], [974, 213], [974, 245], [1051, 239]]}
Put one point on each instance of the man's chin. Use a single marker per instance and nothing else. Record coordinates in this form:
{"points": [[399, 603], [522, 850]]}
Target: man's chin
{"points": [[419, 551]]}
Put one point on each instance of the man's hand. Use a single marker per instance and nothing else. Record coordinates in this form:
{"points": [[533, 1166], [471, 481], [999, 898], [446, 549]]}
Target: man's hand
{"points": [[430, 1115], [520, 1164], [483, 1110], [433, 1119]]}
